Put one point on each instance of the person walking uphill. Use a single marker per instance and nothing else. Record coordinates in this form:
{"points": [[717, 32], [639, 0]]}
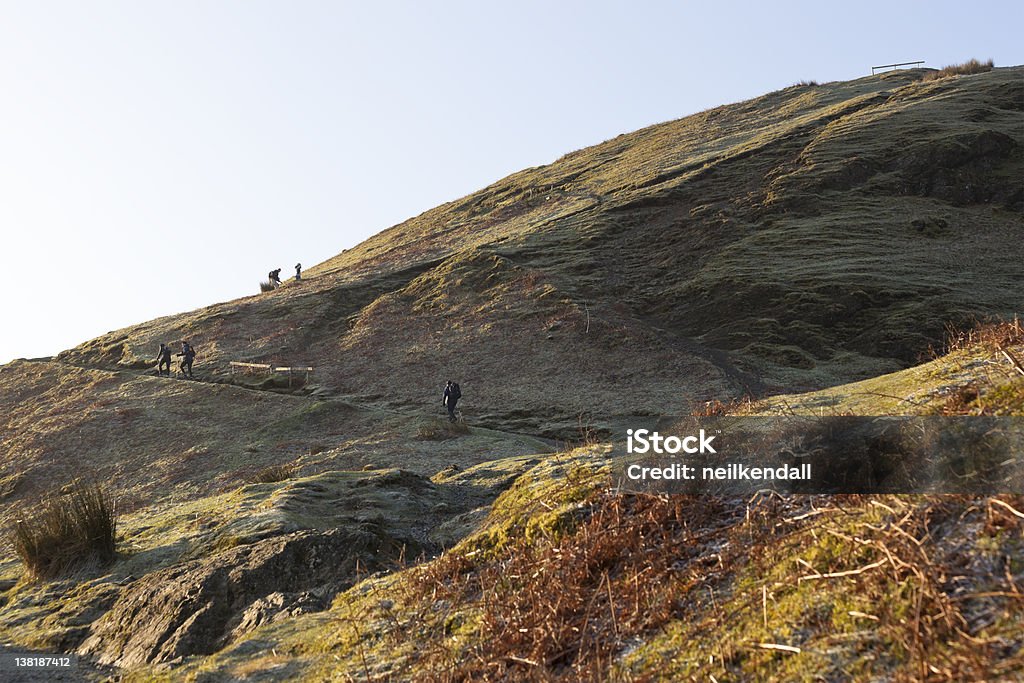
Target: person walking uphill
{"points": [[188, 354], [298, 272], [452, 394], [275, 277], [164, 358]]}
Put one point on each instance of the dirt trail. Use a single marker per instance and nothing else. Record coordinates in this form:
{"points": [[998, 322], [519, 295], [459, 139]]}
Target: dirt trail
{"points": [[328, 394]]}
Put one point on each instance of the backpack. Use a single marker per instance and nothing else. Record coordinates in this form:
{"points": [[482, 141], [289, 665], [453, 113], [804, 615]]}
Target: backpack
{"points": [[456, 391]]}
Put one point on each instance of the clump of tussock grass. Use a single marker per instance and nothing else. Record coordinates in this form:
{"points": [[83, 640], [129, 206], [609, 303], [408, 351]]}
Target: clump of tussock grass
{"points": [[991, 336], [971, 66], [586, 435], [272, 473], [717, 408], [67, 530], [996, 338], [9, 484], [439, 430], [267, 286]]}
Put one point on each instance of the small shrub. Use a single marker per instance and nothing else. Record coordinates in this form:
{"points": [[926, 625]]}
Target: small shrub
{"points": [[269, 475], [586, 435], [972, 66], [66, 531], [991, 336], [267, 286]]}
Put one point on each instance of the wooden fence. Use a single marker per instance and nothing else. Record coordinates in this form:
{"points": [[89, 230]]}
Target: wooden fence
{"points": [[895, 66], [292, 370]]}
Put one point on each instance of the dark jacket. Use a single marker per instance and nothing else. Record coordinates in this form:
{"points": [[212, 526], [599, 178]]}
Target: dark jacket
{"points": [[452, 394]]}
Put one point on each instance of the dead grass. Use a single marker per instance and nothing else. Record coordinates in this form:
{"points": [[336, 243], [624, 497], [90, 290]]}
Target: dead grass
{"points": [[9, 483], [586, 436], [67, 530], [716, 408], [992, 336], [613, 574], [961, 402], [933, 578], [439, 430], [273, 473], [643, 581], [971, 66]]}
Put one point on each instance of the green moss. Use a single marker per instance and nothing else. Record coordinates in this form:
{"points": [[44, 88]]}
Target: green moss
{"points": [[542, 503], [920, 390], [1005, 399]]}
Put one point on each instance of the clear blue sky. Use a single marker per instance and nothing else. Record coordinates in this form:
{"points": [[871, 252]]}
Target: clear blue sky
{"points": [[156, 157]]}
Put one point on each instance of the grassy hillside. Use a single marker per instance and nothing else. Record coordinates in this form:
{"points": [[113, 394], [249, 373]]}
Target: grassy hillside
{"points": [[773, 588], [161, 439], [812, 236], [802, 251]]}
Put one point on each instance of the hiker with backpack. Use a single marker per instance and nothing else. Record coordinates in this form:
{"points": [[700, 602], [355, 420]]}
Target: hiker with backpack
{"points": [[163, 357], [452, 394], [298, 272], [188, 354], [275, 277]]}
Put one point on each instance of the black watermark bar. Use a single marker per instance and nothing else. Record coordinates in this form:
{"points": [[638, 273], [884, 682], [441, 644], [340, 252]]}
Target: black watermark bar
{"points": [[34, 661], [830, 454]]}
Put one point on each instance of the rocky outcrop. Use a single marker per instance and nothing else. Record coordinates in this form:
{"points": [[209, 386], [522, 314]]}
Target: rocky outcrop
{"points": [[198, 607], [277, 606]]}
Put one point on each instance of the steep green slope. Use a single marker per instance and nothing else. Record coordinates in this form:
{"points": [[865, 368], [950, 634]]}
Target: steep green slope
{"points": [[816, 235]]}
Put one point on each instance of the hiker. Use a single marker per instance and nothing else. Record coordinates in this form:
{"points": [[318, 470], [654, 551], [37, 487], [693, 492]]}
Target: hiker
{"points": [[452, 394], [275, 277], [298, 272], [188, 354], [164, 358]]}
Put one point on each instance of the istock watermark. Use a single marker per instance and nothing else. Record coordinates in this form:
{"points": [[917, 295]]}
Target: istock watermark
{"points": [[806, 454], [643, 441]]}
